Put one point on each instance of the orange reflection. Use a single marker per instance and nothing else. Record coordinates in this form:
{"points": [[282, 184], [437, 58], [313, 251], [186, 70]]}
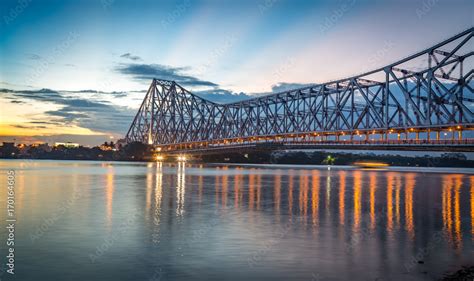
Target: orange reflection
{"points": [[216, 185], [342, 194], [180, 188], [158, 199], [472, 207], [259, 190], [290, 192], [452, 209], [149, 188], [398, 185], [390, 177], [357, 199], [372, 186], [457, 210], [328, 192], [277, 193], [225, 179], [446, 202], [315, 196], [109, 190], [409, 187], [251, 189], [200, 186], [237, 191], [303, 194]]}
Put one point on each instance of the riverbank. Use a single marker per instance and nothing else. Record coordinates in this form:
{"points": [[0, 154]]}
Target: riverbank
{"points": [[448, 160], [340, 158]]}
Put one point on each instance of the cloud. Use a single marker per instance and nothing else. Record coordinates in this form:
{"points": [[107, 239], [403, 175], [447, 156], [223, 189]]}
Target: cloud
{"points": [[91, 140], [29, 127], [150, 71], [222, 96], [131, 57], [96, 115], [282, 86]]}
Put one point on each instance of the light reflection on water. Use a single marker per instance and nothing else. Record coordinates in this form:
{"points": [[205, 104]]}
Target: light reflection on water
{"points": [[229, 222]]}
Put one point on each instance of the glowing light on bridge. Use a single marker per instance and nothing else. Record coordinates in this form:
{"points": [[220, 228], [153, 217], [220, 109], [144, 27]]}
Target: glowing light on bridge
{"points": [[181, 158], [159, 158]]}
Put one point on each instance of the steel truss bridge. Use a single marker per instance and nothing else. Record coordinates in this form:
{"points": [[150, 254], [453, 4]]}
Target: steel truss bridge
{"points": [[426, 99]]}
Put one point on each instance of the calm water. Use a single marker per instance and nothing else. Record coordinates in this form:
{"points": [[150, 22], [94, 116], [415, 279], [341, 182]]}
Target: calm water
{"points": [[139, 221]]}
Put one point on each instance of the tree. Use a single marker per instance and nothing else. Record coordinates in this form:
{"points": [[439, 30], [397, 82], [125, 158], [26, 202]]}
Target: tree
{"points": [[329, 160]]}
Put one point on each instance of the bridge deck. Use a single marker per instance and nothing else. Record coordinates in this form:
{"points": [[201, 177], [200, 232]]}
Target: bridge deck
{"points": [[465, 145]]}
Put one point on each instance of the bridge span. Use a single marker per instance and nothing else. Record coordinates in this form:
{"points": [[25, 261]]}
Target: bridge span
{"points": [[422, 102]]}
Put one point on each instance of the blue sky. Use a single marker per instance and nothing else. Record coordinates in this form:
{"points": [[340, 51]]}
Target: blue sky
{"points": [[218, 48]]}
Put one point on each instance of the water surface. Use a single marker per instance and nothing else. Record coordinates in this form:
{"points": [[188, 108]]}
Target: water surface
{"points": [[159, 221]]}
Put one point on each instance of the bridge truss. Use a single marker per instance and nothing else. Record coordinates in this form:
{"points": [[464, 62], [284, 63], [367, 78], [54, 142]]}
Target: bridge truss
{"points": [[426, 94]]}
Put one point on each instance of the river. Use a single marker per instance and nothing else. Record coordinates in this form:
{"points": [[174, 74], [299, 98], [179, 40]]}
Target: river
{"points": [[87, 220]]}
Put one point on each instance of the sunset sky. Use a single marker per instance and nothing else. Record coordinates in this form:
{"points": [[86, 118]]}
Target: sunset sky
{"points": [[96, 57]]}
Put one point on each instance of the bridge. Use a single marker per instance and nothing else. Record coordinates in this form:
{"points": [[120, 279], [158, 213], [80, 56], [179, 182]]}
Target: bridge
{"points": [[424, 101]]}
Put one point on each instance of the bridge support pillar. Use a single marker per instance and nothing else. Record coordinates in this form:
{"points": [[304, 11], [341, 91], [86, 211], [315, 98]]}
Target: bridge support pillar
{"points": [[437, 135], [460, 135], [428, 135], [417, 137]]}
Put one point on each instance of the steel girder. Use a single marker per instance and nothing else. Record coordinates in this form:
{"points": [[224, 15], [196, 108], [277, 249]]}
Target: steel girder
{"points": [[436, 94]]}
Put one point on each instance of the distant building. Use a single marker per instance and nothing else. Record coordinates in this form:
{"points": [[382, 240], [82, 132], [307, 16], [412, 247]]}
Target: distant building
{"points": [[23, 149], [42, 146], [8, 150], [66, 144], [106, 147], [9, 145]]}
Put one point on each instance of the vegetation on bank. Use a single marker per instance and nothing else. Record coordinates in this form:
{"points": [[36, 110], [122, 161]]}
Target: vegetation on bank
{"points": [[330, 158]]}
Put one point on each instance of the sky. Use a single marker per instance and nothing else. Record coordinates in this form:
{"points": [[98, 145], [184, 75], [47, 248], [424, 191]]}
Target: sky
{"points": [[78, 70]]}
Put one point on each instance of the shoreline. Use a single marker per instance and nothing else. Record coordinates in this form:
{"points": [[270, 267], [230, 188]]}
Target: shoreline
{"points": [[422, 169]]}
